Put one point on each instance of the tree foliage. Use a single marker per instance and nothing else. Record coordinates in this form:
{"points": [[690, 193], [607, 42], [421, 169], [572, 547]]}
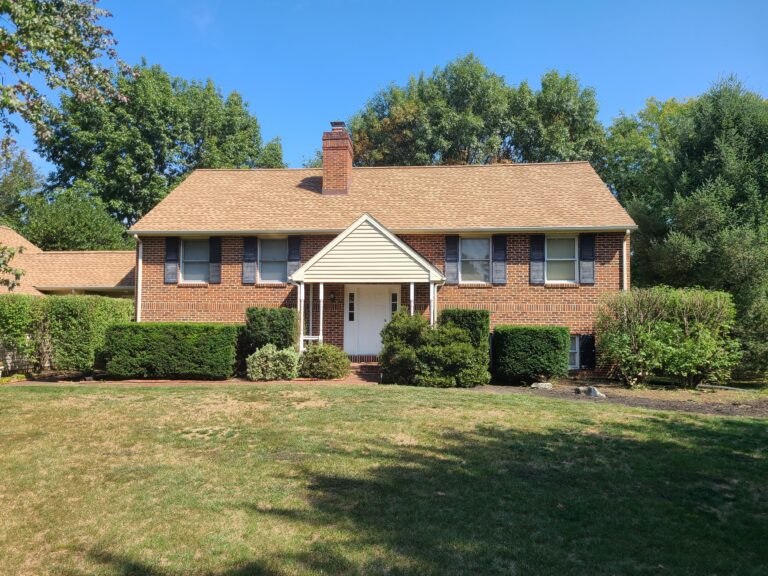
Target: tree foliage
{"points": [[50, 45], [9, 275], [694, 175], [18, 179], [465, 114], [72, 220], [131, 151]]}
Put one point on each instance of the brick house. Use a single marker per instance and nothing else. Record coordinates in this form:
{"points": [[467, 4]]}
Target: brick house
{"points": [[531, 243]]}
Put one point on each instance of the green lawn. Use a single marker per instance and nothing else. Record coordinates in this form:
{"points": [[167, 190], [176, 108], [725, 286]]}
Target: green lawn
{"points": [[313, 479]]}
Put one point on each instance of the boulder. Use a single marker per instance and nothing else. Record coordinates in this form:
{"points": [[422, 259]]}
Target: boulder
{"points": [[542, 385]]}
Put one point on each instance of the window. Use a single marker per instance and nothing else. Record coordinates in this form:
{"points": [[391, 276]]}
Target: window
{"points": [[351, 306], [395, 302], [560, 254], [475, 255], [273, 260], [195, 266], [573, 353]]}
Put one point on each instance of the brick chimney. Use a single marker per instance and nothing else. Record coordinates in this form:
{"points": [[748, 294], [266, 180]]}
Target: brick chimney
{"points": [[337, 159]]}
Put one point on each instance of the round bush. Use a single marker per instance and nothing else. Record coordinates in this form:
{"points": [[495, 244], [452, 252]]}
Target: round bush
{"points": [[324, 361], [269, 363]]}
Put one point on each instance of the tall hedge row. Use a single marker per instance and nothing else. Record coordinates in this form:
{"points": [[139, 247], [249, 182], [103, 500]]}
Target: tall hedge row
{"points": [[171, 350], [525, 354], [59, 332]]}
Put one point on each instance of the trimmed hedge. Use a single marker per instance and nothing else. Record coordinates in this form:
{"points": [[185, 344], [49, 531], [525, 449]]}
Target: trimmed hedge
{"points": [[171, 350], [477, 323], [59, 332], [324, 361], [525, 354], [278, 326]]}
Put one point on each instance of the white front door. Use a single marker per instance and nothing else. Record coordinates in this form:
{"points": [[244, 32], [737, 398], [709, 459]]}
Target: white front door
{"points": [[367, 308]]}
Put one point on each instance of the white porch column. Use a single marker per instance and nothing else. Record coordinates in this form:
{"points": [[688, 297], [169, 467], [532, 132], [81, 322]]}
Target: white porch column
{"points": [[322, 299], [410, 301], [300, 299], [431, 304], [434, 320]]}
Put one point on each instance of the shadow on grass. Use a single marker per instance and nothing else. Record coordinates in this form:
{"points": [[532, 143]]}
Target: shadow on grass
{"points": [[659, 496]]}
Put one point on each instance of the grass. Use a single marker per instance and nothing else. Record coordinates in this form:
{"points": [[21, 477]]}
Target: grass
{"points": [[313, 479]]}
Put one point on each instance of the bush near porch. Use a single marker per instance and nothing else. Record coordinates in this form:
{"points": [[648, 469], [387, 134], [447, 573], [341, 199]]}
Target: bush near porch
{"points": [[58, 332], [171, 350], [278, 326], [415, 353]]}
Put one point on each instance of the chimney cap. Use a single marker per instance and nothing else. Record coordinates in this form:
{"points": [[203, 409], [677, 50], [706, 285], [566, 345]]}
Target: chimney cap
{"points": [[338, 125]]}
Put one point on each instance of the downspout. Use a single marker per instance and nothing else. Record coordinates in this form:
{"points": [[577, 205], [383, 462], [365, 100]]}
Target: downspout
{"points": [[625, 262], [139, 263]]}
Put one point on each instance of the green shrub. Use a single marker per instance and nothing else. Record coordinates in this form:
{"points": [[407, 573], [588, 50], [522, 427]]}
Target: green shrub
{"points": [[414, 353], [171, 350], [682, 334], [477, 323], [525, 354], [20, 325], [269, 363], [324, 361], [75, 327], [278, 326]]}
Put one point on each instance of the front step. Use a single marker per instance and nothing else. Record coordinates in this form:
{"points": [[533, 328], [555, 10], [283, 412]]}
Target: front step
{"points": [[366, 371]]}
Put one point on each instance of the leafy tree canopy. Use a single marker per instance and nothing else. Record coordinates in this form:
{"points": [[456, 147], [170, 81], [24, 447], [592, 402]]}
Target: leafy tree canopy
{"points": [[464, 113], [132, 150], [18, 179], [72, 220], [50, 44]]}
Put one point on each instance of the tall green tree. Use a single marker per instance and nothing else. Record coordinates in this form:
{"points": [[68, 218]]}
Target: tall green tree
{"points": [[72, 220], [18, 179], [9, 275], [131, 150], [50, 45], [694, 175]]}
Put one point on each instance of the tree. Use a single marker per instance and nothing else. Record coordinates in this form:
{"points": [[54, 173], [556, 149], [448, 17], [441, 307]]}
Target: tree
{"points": [[272, 155], [694, 175], [72, 220], [132, 151], [314, 161], [9, 276], [18, 178], [465, 114], [58, 43], [558, 123]]}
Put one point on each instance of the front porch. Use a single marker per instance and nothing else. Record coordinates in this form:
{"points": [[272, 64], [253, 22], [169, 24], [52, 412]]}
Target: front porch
{"points": [[349, 290]]}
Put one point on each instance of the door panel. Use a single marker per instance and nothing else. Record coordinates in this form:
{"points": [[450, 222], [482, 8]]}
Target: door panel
{"points": [[368, 307]]}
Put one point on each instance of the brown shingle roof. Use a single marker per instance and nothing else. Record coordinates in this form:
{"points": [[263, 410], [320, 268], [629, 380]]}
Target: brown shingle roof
{"points": [[499, 197], [12, 239]]}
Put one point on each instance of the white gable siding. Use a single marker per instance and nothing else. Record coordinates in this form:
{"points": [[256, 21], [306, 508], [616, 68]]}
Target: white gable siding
{"points": [[366, 255]]}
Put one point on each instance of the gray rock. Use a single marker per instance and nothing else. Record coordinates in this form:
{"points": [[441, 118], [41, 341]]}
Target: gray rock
{"points": [[594, 392], [580, 390], [542, 385]]}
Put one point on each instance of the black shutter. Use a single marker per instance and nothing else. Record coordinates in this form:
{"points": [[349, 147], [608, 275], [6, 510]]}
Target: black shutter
{"points": [[587, 259], [499, 260], [214, 260], [294, 254], [451, 259], [587, 351], [537, 259], [250, 252], [171, 275]]}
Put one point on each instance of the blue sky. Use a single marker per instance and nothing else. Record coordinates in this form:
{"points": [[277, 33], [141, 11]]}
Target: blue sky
{"points": [[301, 63]]}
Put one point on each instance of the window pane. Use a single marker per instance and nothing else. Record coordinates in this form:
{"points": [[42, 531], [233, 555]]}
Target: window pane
{"points": [[475, 271], [273, 272], [475, 249], [561, 271], [574, 343], [196, 250], [561, 248], [274, 249], [572, 360], [196, 272]]}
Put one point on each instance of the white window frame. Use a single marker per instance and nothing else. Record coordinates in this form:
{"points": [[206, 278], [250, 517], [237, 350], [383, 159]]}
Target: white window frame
{"points": [[182, 261], [575, 259], [577, 339], [490, 260], [258, 258]]}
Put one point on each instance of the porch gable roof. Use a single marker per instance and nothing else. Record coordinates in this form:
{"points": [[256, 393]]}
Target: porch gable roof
{"points": [[366, 252]]}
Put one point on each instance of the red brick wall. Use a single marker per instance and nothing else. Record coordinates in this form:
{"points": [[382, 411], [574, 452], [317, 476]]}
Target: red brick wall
{"points": [[516, 303]]}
